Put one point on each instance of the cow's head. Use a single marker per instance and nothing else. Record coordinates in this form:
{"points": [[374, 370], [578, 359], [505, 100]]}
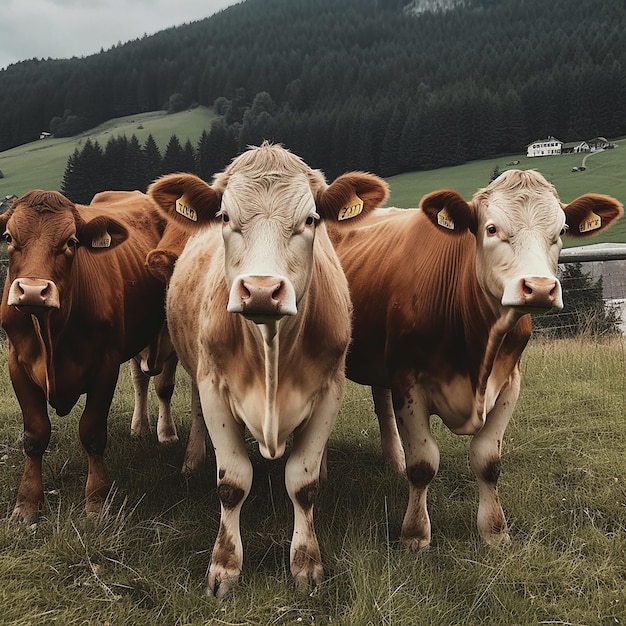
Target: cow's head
{"points": [[44, 233], [518, 221], [269, 204]]}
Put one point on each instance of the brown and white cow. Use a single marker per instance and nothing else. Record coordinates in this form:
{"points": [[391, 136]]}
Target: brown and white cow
{"points": [[259, 313], [78, 301], [441, 296]]}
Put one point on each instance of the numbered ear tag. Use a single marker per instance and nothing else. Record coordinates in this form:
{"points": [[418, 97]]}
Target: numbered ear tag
{"points": [[102, 242], [352, 209], [444, 219], [591, 222], [182, 207]]}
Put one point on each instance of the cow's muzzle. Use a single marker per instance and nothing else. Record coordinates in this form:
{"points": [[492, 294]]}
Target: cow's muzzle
{"points": [[262, 298], [534, 294], [33, 295]]}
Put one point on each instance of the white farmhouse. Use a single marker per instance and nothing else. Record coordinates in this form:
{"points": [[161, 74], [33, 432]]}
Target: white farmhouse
{"points": [[544, 147]]}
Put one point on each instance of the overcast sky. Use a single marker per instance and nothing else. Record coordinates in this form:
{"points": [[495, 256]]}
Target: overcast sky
{"points": [[65, 28]]}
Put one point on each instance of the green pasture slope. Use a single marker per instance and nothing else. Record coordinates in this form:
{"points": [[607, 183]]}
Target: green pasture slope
{"points": [[41, 164]]}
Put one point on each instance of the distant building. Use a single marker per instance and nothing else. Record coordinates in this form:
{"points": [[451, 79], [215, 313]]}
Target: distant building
{"points": [[599, 143], [44, 135], [544, 147], [575, 147]]}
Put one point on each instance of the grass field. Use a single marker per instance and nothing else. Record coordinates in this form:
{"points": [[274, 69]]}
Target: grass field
{"points": [[563, 488], [41, 164]]}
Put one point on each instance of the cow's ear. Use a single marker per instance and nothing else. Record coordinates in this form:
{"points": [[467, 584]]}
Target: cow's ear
{"points": [[101, 233], [160, 263], [186, 199], [351, 196], [447, 210], [590, 214]]}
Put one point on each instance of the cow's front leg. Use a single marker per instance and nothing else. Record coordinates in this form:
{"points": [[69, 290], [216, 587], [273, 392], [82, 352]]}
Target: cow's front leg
{"points": [[485, 454], [234, 479], [92, 430], [140, 423], [37, 430], [164, 387], [422, 464], [302, 477], [393, 453]]}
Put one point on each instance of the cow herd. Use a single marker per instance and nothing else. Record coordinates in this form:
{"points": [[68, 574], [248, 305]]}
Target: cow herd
{"points": [[271, 285]]}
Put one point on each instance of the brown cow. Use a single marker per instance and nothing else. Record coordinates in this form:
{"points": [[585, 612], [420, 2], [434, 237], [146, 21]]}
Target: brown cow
{"points": [[441, 296], [78, 301], [259, 313]]}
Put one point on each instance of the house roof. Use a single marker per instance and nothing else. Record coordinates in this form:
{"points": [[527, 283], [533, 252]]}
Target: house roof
{"points": [[544, 140]]}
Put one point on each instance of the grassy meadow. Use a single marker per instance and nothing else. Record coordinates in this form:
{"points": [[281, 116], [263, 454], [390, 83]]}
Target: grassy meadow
{"points": [[563, 488]]}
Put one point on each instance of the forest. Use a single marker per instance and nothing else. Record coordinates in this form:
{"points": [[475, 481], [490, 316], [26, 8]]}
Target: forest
{"points": [[350, 84]]}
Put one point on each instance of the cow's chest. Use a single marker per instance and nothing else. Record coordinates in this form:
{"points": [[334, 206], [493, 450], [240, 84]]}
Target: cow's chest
{"points": [[293, 405]]}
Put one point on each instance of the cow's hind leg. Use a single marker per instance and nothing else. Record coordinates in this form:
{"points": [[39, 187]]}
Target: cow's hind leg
{"points": [[485, 454], [140, 423], [393, 453], [164, 386], [422, 464]]}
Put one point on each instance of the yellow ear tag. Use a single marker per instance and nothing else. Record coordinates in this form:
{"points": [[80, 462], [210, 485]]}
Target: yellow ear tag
{"points": [[592, 222], [352, 209], [185, 210], [102, 242], [443, 219]]}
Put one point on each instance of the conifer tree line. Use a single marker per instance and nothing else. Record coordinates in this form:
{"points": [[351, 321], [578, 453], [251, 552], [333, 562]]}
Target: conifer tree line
{"points": [[352, 84]]}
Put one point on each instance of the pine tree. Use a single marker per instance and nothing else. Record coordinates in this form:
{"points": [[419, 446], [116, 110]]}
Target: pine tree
{"points": [[153, 161]]}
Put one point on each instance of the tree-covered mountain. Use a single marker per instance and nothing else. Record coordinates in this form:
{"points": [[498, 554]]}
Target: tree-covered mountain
{"points": [[355, 83]]}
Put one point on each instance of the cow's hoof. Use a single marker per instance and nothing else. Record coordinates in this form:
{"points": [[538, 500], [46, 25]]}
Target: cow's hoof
{"points": [[168, 440], [220, 583], [497, 540], [415, 543], [26, 514]]}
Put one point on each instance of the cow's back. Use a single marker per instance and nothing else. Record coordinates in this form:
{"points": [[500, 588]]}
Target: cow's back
{"points": [[405, 281]]}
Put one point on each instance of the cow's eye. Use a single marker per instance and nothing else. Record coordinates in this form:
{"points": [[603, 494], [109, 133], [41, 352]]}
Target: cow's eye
{"points": [[563, 231], [311, 220], [491, 230], [72, 243], [8, 238], [225, 217]]}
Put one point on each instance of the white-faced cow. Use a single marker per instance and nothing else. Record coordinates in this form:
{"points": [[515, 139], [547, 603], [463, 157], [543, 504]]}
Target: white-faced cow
{"points": [[441, 296], [259, 313], [78, 301]]}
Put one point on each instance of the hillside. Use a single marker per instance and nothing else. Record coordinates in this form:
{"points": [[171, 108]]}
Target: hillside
{"points": [[356, 83], [41, 163]]}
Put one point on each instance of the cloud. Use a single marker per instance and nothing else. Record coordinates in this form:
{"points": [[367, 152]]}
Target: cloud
{"points": [[58, 29]]}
